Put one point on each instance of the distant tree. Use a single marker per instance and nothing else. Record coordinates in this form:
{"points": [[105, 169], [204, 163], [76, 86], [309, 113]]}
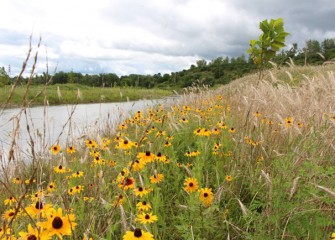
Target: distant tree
{"points": [[4, 77], [328, 48]]}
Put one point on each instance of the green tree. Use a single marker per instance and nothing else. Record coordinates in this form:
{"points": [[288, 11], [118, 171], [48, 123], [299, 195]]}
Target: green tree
{"points": [[4, 78], [270, 41]]}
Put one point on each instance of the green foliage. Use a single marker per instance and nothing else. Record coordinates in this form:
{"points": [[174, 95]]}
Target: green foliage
{"points": [[270, 41], [4, 78]]}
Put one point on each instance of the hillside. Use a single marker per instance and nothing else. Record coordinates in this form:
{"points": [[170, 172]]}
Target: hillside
{"points": [[249, 160]]}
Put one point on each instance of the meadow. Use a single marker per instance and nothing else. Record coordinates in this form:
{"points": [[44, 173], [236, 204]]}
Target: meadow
{"points": [[253, 159], [71, 93]]}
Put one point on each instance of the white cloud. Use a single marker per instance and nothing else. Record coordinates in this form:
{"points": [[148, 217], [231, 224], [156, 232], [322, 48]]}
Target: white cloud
{"points": [[148, 36]]}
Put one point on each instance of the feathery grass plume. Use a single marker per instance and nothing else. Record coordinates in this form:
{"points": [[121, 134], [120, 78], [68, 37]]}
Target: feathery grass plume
{"points": [[293, 188], [245, 210], [327, 190]]}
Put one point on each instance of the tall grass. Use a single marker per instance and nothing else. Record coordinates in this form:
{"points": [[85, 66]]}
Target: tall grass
{"points": [[251, 160]]}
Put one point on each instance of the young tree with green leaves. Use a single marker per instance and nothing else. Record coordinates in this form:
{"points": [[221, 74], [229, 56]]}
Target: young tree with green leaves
{"points": [[270, 41]]}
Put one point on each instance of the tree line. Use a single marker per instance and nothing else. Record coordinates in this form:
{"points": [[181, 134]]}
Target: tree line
{"points": [[221, 70]]}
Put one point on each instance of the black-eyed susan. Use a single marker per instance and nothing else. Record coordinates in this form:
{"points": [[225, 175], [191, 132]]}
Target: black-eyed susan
{"points": [[160, 157], [183, 120], [143, 206], [125, 144], [156, 178], [232, 130], [145, 218], [37, 196], [78, 174], [288, 122], [142, 191], [38, 208], [91, 143], [60, 169], [333, 236], [300, 124], [71, 149], [137, 165], [34, 233], [191, 185], [206, 196], [57, 224], [127, 183], [167, 144], [9, 201], [216, 131], [118, 200], [55, 149], [229, 178], [146, 157], [17, 180], [10, 214], [29, 181], [138, 234]]}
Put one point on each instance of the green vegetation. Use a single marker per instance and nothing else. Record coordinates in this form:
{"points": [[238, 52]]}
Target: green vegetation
{"points": [[76, 93], [270, 41], [239, 162]]}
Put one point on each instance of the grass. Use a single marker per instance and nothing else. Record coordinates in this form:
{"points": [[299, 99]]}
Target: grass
{"points": [[76, 93], [259, 155]]}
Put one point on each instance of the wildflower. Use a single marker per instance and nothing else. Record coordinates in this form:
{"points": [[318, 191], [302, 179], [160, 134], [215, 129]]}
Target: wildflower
{"points": [[55, 149], [143, 206], [10, 200], [216, 131], [156, 178], [167, 144], [191, 185], [122, 127], [60, 169], [37, 208], [57, 224], [17, 180], [288, 122], [141, 191], [206, 196], [77, 174], [232, 130], [9, 214], [228, 178], [146, 157], [71, 149], [91, 143], [37, 196], [300, 124], [51, 187], [257, 114], [333, 236], [127, 183], [160, 157], [29, 181], [137, 165], [138, 234], [125, 144], [183, 120], [119, 199], [146, 218]]}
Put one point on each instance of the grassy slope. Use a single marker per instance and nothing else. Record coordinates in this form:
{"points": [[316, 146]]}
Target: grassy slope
{"points": [[282, 172]]}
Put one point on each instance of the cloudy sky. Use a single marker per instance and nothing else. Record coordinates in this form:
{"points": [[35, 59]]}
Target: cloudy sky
{"points": [[147, 36]]}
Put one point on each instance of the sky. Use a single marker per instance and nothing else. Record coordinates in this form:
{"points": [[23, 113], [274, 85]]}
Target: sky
{"points": [[147, 36]]}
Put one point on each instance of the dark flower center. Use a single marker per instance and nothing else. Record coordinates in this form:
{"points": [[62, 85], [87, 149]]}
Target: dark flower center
{"points": [[39, 205], [205, 194], [147, 153], [32, 237], [55, 148], [60, 167], [125, 141], [57, 223], [147, 216], [159, 154], [191, 184], [144, 203], [137, 233], [11, 214], [129, 181], [140, 189]]}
